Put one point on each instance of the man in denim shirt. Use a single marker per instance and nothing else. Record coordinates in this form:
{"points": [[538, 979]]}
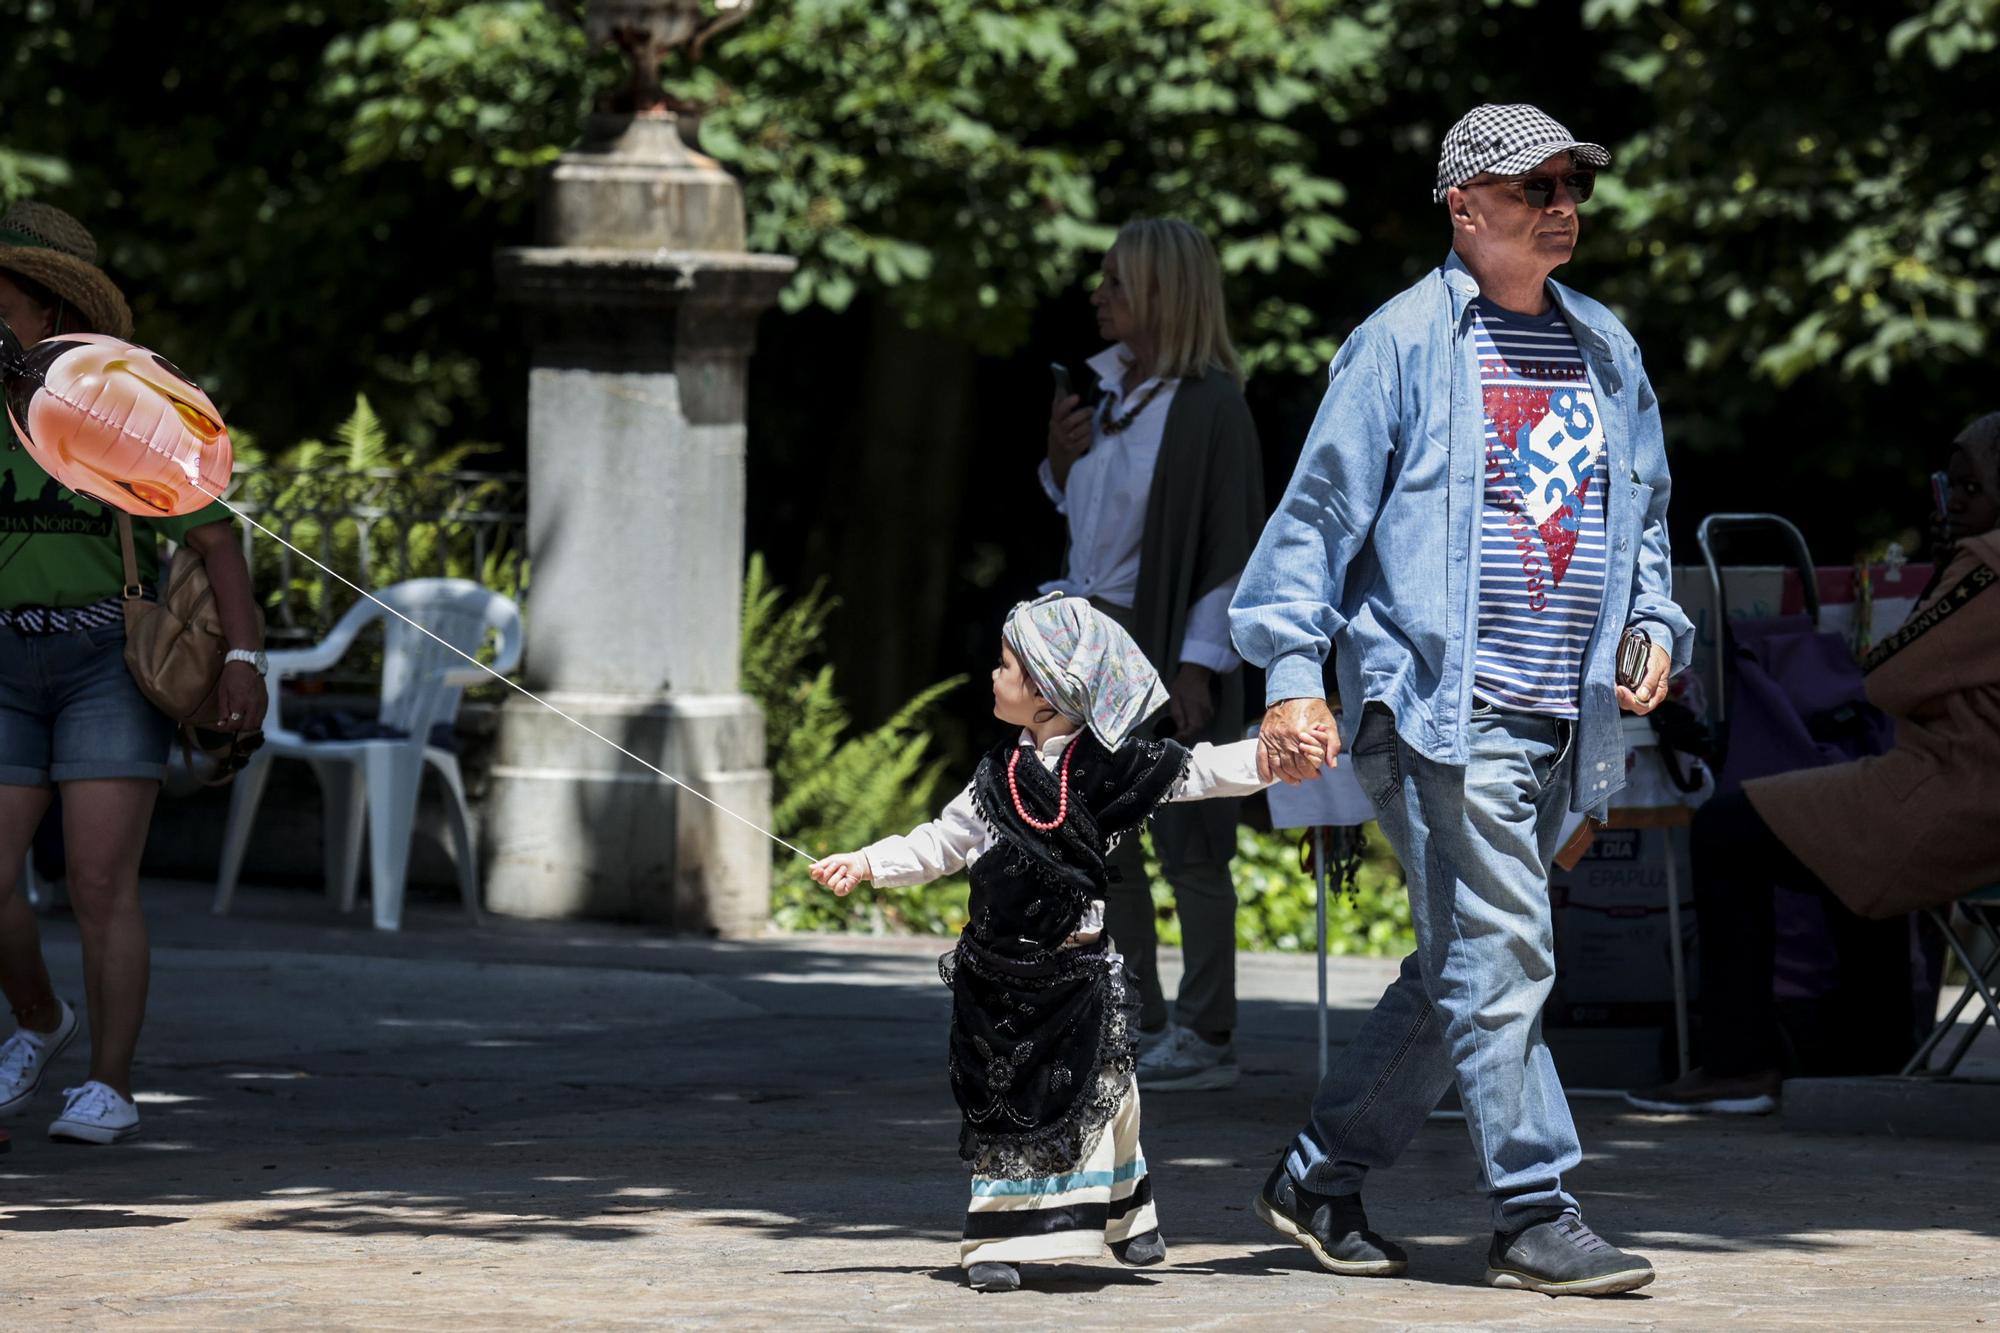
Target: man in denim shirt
{"points": [[1478, 516]]}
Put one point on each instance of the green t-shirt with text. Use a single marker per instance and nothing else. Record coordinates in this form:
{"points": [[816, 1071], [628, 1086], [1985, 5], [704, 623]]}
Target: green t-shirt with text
{"points": [[59, 549]]}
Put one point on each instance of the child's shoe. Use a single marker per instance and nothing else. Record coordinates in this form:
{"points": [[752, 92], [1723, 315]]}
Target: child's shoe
{"points": [[1141, 1251], [993, 1277]]}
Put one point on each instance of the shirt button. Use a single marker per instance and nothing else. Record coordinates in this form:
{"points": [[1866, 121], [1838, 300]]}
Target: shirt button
{"points": [[1601, 766]]}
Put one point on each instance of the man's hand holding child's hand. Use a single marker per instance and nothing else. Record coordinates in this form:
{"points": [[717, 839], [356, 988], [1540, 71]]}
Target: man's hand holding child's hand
{"points": [[1298, 738], [842, 871]]}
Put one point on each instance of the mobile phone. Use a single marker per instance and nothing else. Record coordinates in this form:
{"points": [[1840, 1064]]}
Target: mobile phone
{"points": [[1060, 374], [1635, 652], [1941, 494]]}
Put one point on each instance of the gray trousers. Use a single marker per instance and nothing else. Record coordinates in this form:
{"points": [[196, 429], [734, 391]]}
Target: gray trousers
{"points": [[1195, 842]]}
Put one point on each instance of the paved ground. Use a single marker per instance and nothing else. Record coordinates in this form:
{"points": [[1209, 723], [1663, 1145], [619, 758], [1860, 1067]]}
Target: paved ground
{"points": [[562, 1126]]}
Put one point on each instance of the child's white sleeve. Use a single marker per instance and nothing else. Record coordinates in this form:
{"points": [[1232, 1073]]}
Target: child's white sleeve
{"points": [[930, 851], [1220, 770]]}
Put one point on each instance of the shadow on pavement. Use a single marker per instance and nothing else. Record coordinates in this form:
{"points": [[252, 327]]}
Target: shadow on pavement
{"points": [[588, 1084]]}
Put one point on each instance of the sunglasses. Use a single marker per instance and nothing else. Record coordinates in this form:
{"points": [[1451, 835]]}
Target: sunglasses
{"points": [[1540, 191], [227, 752]]}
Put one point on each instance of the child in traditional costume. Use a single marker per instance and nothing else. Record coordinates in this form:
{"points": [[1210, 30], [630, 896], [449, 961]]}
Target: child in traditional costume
{"points": [[1042, 1013]]}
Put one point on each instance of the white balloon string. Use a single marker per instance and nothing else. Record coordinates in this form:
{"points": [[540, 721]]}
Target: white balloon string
{"points": [[518, 689]]}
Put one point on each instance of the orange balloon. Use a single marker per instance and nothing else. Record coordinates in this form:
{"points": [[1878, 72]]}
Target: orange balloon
{"points": [[115, 422]]}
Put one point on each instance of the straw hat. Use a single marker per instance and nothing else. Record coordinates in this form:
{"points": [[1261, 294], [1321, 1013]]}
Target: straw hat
{"points": [[48, 246]]}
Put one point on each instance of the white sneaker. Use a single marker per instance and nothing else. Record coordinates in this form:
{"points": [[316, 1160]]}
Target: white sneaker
{"points": [[25, 1058], [95, 1114], [1186, 1063]]}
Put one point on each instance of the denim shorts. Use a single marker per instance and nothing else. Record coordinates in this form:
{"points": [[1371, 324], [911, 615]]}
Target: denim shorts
{"points": [[70, 711]]}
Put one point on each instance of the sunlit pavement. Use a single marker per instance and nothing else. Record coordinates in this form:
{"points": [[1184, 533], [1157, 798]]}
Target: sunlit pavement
{"points": [[591, 1126]]}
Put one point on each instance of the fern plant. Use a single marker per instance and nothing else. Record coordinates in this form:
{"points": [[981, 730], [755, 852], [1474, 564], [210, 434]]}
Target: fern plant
{"points": [[374, 510], [837, 790]]}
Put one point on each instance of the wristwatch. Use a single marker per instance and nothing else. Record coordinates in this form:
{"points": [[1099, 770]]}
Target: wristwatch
{"points": [[255, 659]]}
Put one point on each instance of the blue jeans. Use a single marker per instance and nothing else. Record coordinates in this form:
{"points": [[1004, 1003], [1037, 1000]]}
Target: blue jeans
{"points": [[1475, 843], [71, 712]]}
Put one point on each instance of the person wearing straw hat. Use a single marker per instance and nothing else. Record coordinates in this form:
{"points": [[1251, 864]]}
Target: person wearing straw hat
{"points": [[71, 716]]}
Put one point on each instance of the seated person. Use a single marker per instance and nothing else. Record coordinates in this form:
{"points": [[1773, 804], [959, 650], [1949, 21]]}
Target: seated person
{"points": [[1885, 835]]}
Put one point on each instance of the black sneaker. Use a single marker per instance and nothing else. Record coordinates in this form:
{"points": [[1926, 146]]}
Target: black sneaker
{"points": [[1563, 1258], [1333, 1228], [1141, 1251], [993, 1277]]}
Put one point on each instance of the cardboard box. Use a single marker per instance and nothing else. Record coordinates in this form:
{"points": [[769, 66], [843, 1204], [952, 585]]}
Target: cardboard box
{"points": [[1613, 960]]}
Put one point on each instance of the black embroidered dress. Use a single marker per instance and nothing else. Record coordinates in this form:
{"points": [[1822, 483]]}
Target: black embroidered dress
{"points": [[1041, 1033]]}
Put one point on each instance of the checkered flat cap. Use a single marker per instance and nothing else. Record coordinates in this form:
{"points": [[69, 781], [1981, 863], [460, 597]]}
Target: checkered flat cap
{"points": [[1505, 139]]}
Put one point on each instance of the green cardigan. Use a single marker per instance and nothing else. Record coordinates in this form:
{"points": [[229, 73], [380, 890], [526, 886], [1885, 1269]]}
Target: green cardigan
{"points": [[1202, 519]]}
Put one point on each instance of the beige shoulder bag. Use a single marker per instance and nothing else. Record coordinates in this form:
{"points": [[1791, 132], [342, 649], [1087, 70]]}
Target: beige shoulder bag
{"points": [[174, 647]]}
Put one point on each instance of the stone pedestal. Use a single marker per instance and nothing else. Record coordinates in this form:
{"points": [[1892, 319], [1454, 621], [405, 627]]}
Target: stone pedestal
{"points": [[642, 308]]}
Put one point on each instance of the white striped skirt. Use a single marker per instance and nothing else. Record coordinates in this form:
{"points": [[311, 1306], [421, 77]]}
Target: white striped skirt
{"points": [[1107, 1197]]}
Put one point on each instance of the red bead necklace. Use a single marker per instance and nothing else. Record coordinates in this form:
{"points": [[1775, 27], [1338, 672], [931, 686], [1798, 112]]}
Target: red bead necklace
{"points": [[1062, 800]]}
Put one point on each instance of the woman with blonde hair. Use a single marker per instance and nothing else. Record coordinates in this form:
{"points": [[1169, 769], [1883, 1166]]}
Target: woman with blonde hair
{"points": [[1161, 484]]}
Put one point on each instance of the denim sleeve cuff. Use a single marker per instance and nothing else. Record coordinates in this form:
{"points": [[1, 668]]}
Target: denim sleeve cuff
{"points": [[1657, 633], [1296, 675]]}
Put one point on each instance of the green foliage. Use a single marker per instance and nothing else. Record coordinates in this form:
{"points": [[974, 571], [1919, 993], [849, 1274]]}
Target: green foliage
{"points": [[375, 510], [1804, 192], [22, 174], [1274, 900], [1808, 201], [461, 90], [972, 159], [838, 791], [303, 196]]}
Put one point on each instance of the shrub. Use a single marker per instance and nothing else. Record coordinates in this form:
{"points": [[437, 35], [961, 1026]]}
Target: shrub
{"points": [[837, 791]]}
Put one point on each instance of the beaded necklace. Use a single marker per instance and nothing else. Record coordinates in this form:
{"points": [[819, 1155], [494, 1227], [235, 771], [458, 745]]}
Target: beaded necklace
{"points": [[1116, 425], [1062, 800]]}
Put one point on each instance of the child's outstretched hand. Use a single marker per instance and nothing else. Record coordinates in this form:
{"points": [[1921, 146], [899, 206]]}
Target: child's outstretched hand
{"points": [[1312, 745], [841, 872]]}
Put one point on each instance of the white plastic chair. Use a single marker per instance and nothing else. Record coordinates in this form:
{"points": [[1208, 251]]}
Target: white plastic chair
{"points": [[374, 783]]}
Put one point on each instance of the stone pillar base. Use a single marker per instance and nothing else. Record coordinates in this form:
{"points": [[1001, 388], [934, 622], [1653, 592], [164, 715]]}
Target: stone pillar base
{"points": [[573, 828]]}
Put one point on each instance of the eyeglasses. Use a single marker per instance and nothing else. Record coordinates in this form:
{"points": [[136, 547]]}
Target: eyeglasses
{"points": [[1540, 191]]}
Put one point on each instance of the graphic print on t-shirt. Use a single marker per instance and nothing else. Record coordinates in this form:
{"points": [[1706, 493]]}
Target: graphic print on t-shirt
{"points": [[1542, 550], [1557, 446], [52, 508]]}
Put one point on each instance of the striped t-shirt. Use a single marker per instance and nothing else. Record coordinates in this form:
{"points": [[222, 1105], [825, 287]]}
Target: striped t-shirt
{"points": [[1541, 526]]}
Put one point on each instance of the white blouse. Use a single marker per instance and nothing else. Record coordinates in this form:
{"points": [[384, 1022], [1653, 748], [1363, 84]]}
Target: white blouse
{"points": [[958, 836], [1105, 498]]}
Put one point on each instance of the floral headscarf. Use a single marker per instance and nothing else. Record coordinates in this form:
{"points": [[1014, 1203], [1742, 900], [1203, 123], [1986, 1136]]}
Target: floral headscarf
{"points": [[1085, 665]]}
